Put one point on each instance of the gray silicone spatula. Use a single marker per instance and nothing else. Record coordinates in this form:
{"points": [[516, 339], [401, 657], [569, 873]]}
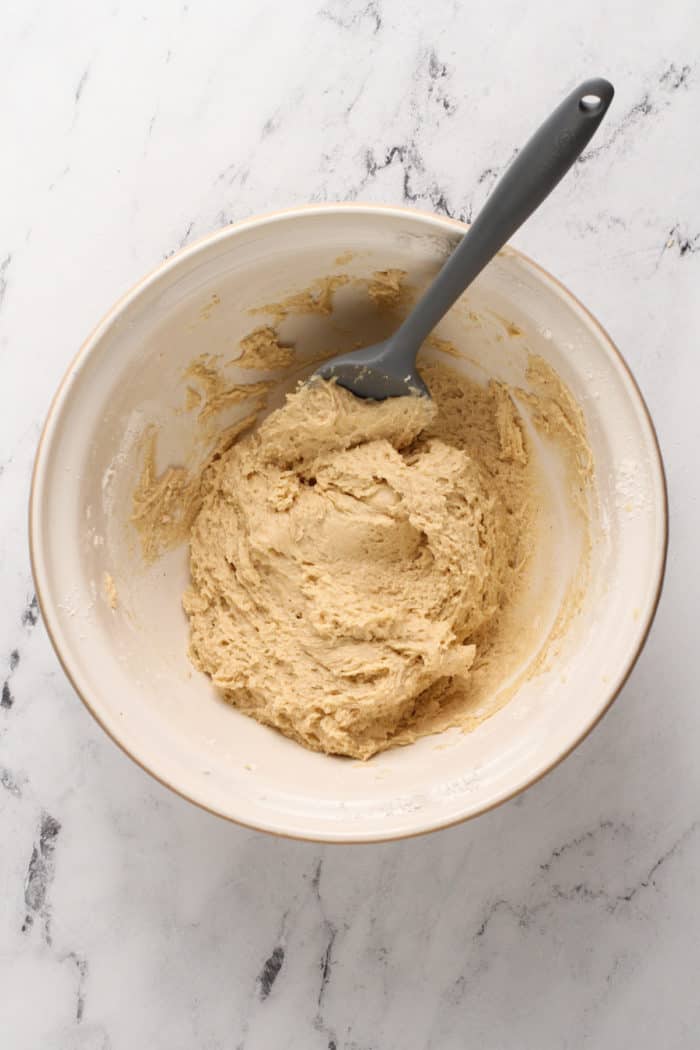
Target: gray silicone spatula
{"points": [[388, 369]]}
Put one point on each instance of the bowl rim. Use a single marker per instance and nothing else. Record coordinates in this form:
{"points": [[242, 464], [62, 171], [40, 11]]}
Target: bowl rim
{"points": [[88, 344]]}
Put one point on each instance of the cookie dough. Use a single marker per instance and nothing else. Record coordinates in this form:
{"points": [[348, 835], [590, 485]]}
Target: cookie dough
{"points": [[351, 559], [361, 573]]}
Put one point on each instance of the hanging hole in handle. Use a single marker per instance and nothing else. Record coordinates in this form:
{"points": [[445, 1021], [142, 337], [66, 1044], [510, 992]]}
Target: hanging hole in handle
{"points": [[590, 103]]}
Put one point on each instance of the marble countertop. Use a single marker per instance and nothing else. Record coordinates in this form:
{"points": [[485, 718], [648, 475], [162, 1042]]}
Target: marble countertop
{"points": [[567, 918]]}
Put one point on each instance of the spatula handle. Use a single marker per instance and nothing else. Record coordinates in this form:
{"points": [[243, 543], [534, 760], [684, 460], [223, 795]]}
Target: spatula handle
{"points": [[530, 178]]}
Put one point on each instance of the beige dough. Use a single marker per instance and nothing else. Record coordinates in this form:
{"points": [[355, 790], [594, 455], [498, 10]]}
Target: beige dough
{"points": [[262, 350], [359, 571], [351, 558], [110, 590]]}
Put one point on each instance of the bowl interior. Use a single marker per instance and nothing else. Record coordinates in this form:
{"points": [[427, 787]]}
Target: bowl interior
{"points": [[130, 664]]}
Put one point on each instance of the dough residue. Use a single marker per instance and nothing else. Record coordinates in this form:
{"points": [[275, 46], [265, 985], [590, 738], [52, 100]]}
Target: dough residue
{"points": [[212, 392], [351, 558], [556, 413], [386, 289], [165, 504], [110, 590], [212, 302], [317, 299], [263, 350]]}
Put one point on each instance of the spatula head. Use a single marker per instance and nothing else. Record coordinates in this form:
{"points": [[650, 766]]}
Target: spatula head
{"points": [[376, 372]]}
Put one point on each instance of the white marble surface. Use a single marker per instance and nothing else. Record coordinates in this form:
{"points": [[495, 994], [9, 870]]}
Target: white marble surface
{"points": [[567, 918]]}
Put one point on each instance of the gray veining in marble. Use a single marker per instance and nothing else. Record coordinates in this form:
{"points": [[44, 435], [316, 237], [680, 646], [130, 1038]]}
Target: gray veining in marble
{"points": [[567, 918]]}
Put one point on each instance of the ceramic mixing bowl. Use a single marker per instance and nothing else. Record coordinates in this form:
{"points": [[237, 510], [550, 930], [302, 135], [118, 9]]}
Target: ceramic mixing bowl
{"points": [[129, 664]]}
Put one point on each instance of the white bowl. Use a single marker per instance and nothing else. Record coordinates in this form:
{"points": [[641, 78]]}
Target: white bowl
{"points": [[130, 665]]}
